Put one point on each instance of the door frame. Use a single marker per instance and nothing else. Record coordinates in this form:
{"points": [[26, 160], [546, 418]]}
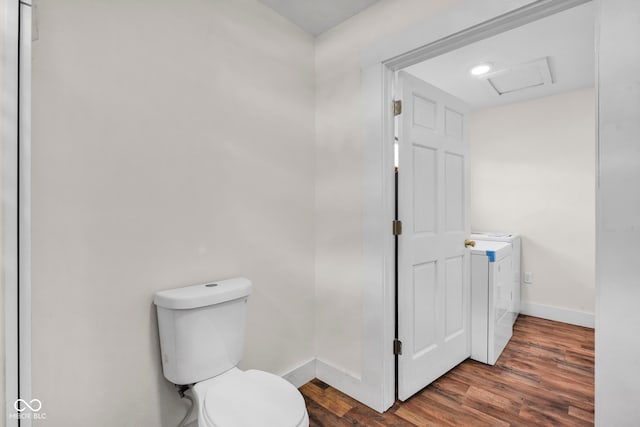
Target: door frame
{"points": [[16, 206], [466, 22], [9, 117]]}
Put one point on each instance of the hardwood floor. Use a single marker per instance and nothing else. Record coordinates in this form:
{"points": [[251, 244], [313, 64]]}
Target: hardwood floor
{"points": [[543, 378]]}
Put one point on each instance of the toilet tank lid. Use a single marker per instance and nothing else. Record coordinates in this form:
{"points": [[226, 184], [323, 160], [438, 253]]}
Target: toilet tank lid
{"points": [[203, 295]]}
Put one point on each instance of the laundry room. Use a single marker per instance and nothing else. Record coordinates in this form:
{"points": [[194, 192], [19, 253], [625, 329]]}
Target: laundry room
{"points": [[532, 152]]}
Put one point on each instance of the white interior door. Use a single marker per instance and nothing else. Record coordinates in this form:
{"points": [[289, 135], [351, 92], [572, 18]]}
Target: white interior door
{"points": [[433, 262]]}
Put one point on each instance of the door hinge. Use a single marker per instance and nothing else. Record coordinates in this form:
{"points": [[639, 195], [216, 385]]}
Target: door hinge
{"points": [[397, 228], [397, 107], [397, 347]]}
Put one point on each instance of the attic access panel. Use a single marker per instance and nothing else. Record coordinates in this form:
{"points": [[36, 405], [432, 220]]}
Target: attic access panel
{"points": [[531, 74]]}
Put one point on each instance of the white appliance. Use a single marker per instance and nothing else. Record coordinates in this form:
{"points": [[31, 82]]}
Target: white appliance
{"points": [[516, 242], [491, 325], [201, 339]]}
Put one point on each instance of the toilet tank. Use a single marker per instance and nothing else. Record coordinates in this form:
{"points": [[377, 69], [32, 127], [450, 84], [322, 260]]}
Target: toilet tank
{"points": [[202, 329]]}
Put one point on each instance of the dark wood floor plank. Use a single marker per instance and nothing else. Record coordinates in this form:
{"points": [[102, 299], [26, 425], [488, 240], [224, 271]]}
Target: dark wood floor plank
{"points": [[544, 377], [426, 412], [484, 418], [320, 384], [328, 398], [363, 416], [581, 414], [320, 417]]}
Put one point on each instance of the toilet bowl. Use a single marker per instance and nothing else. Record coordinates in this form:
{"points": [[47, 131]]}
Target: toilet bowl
{"points": [[201, 341], [248, 399]]}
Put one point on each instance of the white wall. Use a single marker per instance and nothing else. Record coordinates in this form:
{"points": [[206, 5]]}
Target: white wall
{"points": [[2, 300], [172, 144], [339, 281], [618, 221], [532, 172]]}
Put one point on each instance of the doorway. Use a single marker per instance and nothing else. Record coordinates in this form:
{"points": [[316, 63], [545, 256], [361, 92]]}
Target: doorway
{"points": [[531, 118], [459, 26]]}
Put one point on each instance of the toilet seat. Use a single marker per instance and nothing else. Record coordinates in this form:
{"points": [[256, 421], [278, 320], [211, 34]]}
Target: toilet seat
{"points": [[250, 398]]}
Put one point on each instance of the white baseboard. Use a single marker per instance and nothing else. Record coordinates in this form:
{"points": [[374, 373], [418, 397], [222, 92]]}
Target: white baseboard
{"points": [[337, 378], [558, 314], [350, 385], [302, 374]]}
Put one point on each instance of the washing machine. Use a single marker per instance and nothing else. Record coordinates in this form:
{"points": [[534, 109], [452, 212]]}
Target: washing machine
{"points": [[491, 283], [516, 243]]}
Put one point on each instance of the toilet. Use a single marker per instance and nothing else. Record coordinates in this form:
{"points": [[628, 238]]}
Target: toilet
{"points": [[201, 340]]}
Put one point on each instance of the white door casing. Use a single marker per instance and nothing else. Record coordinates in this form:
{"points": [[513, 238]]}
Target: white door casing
{"points": [[463, 23], [433, 262]]}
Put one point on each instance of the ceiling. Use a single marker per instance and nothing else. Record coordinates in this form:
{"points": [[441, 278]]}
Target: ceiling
{"points": [[565, 39], [317, 16]]}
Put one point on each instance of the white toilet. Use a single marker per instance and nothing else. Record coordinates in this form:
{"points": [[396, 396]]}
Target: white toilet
{"points": [[201, 338]]}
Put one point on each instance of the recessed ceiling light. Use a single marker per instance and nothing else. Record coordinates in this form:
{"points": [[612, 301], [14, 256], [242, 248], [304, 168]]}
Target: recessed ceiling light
{"points": [[481, 69]]}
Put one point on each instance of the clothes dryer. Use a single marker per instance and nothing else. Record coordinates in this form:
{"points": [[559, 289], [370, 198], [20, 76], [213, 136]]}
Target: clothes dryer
{"points": [[491, 283], [516, 243]]}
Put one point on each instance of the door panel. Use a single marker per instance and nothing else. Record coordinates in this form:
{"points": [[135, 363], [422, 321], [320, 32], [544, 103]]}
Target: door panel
{"points": [[454, 285], [454, 192], [433, 264], [424, 287], [424, 189]]}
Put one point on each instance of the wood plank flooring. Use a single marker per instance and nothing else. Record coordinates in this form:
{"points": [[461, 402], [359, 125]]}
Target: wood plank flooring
{"points": [[543, 378]]}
